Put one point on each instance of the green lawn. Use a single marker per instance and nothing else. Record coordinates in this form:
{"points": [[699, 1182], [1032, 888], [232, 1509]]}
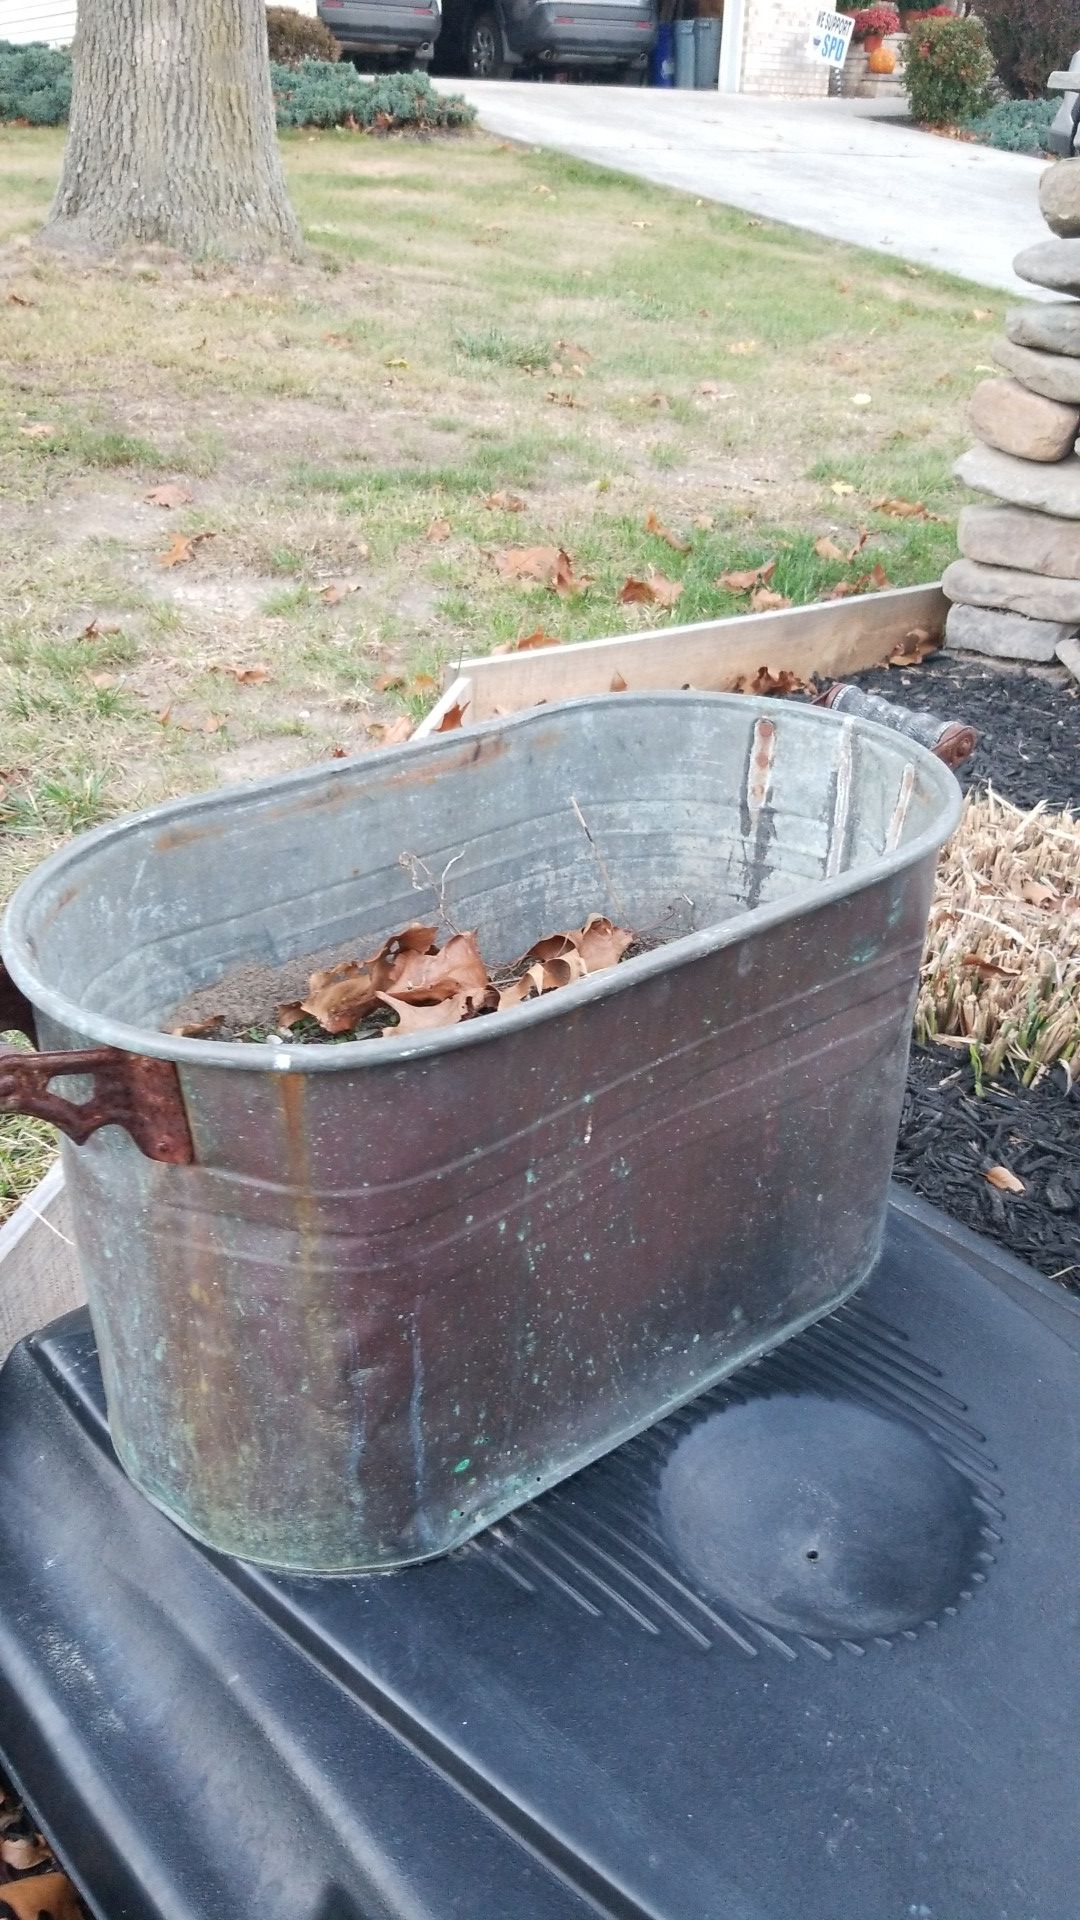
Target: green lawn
{"points": [[473, 319]]}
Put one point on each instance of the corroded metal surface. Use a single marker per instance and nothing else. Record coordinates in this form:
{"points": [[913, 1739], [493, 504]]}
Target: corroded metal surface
{"points": [[407, 1283]]}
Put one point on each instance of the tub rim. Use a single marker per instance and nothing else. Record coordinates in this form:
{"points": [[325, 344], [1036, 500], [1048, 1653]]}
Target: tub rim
{"points": [[318, 1057]]}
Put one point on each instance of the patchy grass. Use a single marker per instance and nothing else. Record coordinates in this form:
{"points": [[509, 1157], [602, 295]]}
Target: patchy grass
{"points": [[473, 319]]}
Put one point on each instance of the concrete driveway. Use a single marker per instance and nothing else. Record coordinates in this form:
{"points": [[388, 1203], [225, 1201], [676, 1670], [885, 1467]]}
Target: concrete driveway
{"points": [[843, 168]]}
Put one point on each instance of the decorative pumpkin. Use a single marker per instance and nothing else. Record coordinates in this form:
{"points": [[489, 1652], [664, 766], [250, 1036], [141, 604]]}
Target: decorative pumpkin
{"points": [[882, 60]]}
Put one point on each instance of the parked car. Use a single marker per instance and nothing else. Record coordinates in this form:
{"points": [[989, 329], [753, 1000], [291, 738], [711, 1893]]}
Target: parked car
{"points": [[383, 33], [490, 39]]}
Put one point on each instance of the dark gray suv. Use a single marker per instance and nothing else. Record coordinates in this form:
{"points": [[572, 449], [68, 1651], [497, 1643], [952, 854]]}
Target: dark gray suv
{"points": [[490, 39], [383, 33]]}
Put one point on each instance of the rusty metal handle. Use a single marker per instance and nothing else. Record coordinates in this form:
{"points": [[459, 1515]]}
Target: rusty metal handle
{"points": [[951, 740], [130, 1090]]}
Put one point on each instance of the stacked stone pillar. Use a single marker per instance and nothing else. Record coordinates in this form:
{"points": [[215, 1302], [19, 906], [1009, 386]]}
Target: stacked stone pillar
{"points": [[1016, 588]]}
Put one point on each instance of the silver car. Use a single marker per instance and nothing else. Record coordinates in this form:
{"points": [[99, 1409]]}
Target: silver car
{"points": [[384, 33]]}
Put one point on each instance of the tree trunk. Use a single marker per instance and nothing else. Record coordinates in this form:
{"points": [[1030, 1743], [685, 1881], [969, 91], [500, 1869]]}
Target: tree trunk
{"points": [[172, 135]]}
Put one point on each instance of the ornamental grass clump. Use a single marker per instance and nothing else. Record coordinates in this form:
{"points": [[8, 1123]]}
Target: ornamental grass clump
{"points": [[1001, 967]]}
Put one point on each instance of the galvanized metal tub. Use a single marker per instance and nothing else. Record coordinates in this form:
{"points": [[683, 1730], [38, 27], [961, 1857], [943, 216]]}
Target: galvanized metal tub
{"points": [[373, 1295]]}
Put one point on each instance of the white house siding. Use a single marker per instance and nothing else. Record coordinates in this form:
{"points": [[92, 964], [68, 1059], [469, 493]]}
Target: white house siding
{"points": [[54, 20]]}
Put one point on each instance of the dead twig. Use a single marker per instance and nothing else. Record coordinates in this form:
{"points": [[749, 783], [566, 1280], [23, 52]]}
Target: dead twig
{"points": [[600, 861], [424, 880]]}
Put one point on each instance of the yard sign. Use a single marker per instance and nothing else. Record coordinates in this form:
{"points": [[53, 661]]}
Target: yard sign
{"points": [[830, 37]]}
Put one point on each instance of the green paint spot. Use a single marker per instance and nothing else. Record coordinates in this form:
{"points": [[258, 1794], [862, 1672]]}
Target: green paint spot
{"points": [[461, 1465]]}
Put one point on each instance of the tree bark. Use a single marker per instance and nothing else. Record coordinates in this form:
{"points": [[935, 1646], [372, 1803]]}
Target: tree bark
{"points": [[172, 137]]}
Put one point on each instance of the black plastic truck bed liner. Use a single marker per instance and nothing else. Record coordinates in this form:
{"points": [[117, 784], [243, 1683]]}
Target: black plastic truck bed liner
{"points": [[808, 1650]]}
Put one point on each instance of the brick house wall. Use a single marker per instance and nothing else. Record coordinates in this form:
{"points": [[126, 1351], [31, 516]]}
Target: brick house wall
{"points": [[775, 34]]}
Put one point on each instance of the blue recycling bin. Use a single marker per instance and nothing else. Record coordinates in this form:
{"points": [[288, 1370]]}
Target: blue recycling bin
{"points": [[662, 58]]}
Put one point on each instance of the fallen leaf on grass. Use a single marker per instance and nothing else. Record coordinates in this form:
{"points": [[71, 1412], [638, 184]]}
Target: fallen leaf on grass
{"points": [[505, 502], [537, 638], [388, 682], [338, 590], [395, 363], [390, 733], [1004, 1180], [905, 510], [551, 566], [182, 549], [46, 1896], [172, 494], [438, 530], [827, 549], [20, 300], [659, 401], [704, 522], [914, 648], [562, 399], [38, 431], [244, 676], [841, 488], [570, 351], [742, 347], [981, 313], [764, 600], [452, 718], [1039, 893], [95, 631], [654, 524], [103, 679], [656, 591], [751, 577]]}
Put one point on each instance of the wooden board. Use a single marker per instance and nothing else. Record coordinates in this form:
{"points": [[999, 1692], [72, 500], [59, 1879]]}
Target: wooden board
{"points": [[832, 638], [39, 1271]]}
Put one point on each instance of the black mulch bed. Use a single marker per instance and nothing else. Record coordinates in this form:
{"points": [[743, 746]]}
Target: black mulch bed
{"points": [[950, 1138], [1029, 750], [1028, 722]]}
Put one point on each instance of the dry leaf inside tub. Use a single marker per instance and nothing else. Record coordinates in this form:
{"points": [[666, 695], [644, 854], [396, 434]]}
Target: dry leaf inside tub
{"points": [[1004, 1180], [22, 1852], [45, 1896], [617, 684]]}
